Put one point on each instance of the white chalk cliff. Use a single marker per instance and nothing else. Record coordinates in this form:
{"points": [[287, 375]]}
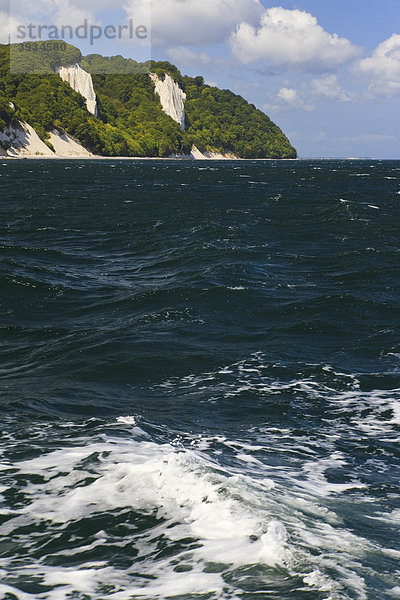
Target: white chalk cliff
{"points": [[208, 155], [171, 96], [20, 139], [66, 146], [81, 82]]}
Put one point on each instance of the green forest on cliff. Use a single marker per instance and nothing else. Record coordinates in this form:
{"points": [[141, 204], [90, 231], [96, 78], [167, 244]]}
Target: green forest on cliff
{"points": [[130, 119]]}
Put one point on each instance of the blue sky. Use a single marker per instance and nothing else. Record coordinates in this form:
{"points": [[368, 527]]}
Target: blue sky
{"points": [[326, 71]]}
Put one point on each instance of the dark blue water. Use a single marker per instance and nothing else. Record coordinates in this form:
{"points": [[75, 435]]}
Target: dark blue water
{"points": [[200, 383]]}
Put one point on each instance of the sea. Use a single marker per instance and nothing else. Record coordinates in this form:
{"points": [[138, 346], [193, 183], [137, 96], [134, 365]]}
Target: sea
{"points": [[199, 380]]}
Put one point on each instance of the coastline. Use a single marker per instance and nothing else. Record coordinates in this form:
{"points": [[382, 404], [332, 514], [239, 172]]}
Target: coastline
{"points": [[153, 158], [189, 158]]}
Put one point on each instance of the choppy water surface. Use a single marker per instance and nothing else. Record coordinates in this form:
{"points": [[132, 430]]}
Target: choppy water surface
{"points": [[200, 384]]}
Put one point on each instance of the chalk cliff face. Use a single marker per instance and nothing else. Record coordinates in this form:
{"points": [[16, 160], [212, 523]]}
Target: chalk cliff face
{"points": [[197, 155], [64, 145], [171, 96], [81, 82], [20, 139]]}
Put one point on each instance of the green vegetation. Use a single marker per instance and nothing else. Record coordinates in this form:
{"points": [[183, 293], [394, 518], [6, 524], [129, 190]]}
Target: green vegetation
{"points": [[128, 103], [130, 119], [220, 120], [6, 111], [47, 103], [42, 57], [108, 65]]}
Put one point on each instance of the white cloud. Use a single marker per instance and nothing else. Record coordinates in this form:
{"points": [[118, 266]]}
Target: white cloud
{"points": [[4, 21], [67, 13], [322, 88], [57, 12], [328, 87], [288, 99], [8, 22], [185, 57], [382, 68], [194, 22], [289, 95], [291, 39]]}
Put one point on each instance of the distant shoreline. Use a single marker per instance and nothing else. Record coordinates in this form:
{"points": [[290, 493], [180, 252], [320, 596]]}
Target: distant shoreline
{"points": [[189, 159], [175, 158]]}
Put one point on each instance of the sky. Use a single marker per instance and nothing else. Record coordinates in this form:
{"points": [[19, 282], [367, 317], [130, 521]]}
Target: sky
{"points": [[326, 71]]}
